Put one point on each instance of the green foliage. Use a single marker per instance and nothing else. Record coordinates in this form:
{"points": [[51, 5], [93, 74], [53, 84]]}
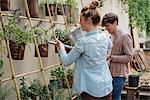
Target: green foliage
{"points": [[62, 36], [139, 13], [41, 35], [23, 89], [58, 73], [35, 88], [5, 91], [28, 92], [15, 33]]}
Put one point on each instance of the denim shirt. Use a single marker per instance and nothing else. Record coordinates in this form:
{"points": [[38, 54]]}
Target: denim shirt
{"points": [[92, 73]]}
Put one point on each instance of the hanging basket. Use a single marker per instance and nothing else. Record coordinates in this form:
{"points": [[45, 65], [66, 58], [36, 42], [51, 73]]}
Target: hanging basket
{"points": [[5, 5], [133, 80], [17, 52], [43, 49], [33, 8]]}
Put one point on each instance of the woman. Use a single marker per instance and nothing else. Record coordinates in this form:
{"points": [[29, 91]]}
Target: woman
{"points": [[92, 78]]}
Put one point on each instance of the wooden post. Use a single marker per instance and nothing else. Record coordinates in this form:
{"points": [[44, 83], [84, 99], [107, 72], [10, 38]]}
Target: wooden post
{"points": [[133, 93]]}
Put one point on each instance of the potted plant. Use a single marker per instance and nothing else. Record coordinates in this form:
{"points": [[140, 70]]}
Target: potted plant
{"points": [[24, 89], [5, 5], [33, 8], [17, 36], [35, 89], [42, 39], [133, 79], [63, 37], [5, 91]]}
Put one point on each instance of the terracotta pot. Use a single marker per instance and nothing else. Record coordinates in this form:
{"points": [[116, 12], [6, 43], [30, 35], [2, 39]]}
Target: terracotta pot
{"points": [[17, 52], [33, 8], [133, 80], [5, 5], [52, 8], [43, 49]]}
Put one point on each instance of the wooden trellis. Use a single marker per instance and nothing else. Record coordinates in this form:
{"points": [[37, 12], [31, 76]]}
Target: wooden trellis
{"points": [[42, 68]]}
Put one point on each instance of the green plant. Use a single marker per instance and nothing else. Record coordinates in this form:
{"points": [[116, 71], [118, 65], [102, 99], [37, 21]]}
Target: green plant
{"points": [[41, 35], [139, 14], [62, 36], [58, 73], [35, 88], [15, 33], [23, 89], [5, 91]]}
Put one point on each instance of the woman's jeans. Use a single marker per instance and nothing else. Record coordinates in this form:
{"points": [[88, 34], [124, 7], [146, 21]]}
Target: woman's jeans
{"points": [[118, 84]]}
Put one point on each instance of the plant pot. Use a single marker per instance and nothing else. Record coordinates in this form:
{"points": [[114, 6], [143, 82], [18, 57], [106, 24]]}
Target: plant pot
{"points": [[52, 8], [5, 5], [43, 49], [17, 52], [133, 80], [147, 44], [60, 10], [33, 8]]}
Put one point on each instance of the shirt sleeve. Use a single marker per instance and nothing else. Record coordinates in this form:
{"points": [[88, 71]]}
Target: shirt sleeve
{"points": [[73, 55], [127, 55]]}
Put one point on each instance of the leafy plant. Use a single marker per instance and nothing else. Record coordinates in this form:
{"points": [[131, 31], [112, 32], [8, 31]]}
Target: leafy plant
{"points": [[23, 89], [62, 36], [41, 35], [58, 73], [5, 91], [14, 31], [35, 88]]}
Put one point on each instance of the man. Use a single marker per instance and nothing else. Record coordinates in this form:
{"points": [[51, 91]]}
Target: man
{"points": [[121, 54]]}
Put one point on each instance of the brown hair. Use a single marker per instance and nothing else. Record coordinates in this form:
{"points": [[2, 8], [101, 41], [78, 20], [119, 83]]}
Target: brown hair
{"points": [[109, 18], [91, 12]]}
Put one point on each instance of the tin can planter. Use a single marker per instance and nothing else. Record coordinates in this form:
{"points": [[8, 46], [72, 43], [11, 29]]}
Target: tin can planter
{"points": [[17, 52], [43, 49], [33, 8], [5, 5], [133, 80], [60, 10]]}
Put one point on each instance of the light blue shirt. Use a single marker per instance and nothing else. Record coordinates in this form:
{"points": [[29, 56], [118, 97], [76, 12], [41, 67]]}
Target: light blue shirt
{"points": [[92, 73]]}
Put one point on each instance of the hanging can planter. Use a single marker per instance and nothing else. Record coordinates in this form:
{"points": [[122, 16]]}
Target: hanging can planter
{"points": [[33, 8], [17, 52], [43, 49], [5, 5]]}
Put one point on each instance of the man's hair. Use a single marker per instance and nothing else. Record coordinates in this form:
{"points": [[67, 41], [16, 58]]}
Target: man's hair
{"points": [[109, 18]]}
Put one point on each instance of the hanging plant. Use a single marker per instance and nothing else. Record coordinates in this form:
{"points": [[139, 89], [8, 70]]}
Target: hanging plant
{"points": [[17, 36], [42, 40]]}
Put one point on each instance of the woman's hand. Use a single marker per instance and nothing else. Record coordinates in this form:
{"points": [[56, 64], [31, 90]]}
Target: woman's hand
{"points": [[58, 44]]}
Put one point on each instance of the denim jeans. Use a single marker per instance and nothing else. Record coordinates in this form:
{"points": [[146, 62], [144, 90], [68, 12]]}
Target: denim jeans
{"points": [[118, 84]]}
